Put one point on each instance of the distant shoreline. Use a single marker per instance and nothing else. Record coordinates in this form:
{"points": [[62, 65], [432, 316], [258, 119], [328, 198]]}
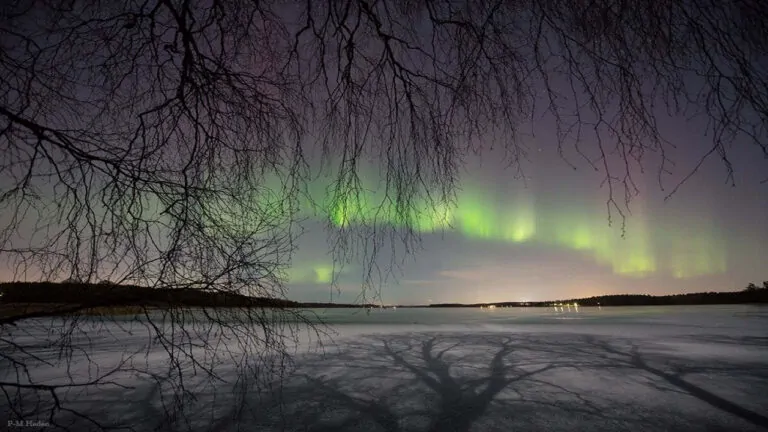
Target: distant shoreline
{"points": [[689, 299], [20, 300]]}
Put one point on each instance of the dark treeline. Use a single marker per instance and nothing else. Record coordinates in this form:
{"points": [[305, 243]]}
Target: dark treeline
{"points": [[703, 298], [317, 305], [114, 295], [752, 294], [85, 295]]}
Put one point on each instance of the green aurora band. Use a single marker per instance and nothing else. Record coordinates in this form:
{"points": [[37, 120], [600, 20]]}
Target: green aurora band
{"points": [[317, 273], [680, 250], [514, 216]]}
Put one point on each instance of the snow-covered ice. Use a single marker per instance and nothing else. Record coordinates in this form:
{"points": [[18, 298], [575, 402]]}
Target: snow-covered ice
{"points": [[636, 368]]}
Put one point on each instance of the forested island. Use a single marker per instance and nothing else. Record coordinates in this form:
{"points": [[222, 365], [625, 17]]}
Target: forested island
{"points": [[52, 298], [34, 299]]}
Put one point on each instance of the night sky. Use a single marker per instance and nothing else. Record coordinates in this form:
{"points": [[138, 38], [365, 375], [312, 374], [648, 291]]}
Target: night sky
{"points": [[539, 230], [545, 234]]}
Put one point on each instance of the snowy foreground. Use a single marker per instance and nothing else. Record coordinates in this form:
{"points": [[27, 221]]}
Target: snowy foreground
{"points": [[643, 368]]}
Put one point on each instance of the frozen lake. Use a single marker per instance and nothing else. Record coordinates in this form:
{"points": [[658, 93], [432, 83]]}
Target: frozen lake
{"points": [[622, 368]]}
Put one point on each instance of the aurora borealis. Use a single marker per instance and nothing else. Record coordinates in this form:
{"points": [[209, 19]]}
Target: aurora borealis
{"points": [[549, 237], [505, 239]]}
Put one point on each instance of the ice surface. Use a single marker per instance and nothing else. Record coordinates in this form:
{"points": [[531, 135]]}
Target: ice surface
{"points": [[635, 368]]}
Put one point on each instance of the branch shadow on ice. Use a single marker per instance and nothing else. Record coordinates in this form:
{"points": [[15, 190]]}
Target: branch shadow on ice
{"points": [[674, 374], [422, 382], [464, 382], [453, 382]]}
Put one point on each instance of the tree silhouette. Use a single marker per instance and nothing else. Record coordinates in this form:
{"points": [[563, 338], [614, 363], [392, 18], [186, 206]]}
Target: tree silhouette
{"points": [[168, 143]]}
